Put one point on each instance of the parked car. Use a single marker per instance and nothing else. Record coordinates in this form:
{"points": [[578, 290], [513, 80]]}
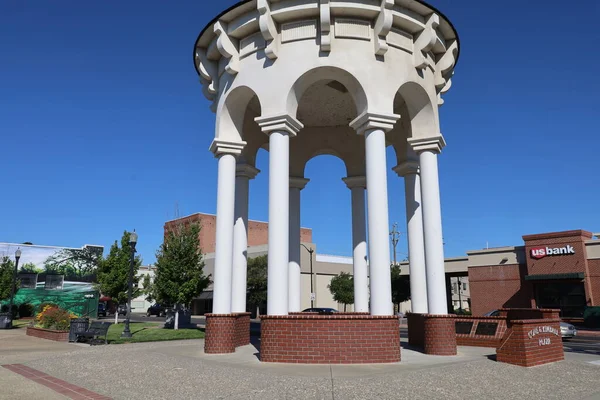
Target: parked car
{"points": [[102, 310], [567, 331], [122, 309], [321, 310], [157, 310]]}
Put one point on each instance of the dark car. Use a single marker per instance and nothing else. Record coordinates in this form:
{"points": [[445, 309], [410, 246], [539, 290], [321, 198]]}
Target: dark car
{"points": [[321, 310], [122, 309], [102, 310], [157, 309]]}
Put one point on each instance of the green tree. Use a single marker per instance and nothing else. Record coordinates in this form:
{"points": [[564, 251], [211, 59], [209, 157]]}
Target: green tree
{"points": [[148, 288], [179, 267], [113, 271], [342, 288], [257, 281], [74, 263], [400, 286], [7, 268], [30, 268]]}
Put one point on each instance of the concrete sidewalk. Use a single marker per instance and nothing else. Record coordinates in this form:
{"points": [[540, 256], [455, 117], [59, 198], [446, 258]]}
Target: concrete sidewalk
{"points": [[180, 370]]}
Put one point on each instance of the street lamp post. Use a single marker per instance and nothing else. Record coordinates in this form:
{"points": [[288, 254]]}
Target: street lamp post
{"points": [[132, 242], [12, 287], [459, 293], [312, 293]]}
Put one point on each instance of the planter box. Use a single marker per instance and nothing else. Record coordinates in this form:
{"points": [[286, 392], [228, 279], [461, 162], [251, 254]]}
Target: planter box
{"points": [[57, 336]]}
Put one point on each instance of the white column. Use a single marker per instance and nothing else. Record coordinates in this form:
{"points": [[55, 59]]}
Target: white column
{"points": [[428, 149], [226, 153], [244, 173], [416, 246], [357, 186], [280, 128], [374, 127], [294, 279]]}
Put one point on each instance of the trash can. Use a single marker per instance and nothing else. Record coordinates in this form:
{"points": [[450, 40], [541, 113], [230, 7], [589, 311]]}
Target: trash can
{"points": [[78, 326], [5, 320]]}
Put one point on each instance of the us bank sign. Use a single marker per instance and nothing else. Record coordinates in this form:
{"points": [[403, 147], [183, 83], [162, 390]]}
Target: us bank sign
{"points": [[541, 252]]}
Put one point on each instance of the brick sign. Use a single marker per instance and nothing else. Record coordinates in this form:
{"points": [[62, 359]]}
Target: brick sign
{"points": [[531, 342]]}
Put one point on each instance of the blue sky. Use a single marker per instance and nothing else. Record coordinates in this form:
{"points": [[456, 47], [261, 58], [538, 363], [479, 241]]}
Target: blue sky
{"points": [[103, 126]]}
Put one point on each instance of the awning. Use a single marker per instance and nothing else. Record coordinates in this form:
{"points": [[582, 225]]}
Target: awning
{"points": [[543, 277], [208, 295]]}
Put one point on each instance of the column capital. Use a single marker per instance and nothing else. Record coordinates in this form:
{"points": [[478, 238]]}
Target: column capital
{"points": [[219, 147], [355, 182], [368, 120], [298, 183], [279, 123], [410, 167], [246, 171], [434, 144]]}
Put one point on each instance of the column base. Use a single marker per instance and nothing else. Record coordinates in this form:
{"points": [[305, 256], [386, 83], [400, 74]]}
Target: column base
{"points": [[416, 329], [220, 333], [440, 334], [242, 329]]}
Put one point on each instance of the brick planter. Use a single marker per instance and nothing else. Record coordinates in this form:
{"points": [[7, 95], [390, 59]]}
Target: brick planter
{"points": [[340, 338], [440, 335], [242, 329], [220, 335], [49, 334], [416, 329], [532, 342]]}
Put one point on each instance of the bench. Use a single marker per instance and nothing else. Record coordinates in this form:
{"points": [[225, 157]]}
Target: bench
{"points": [[96, 330]]}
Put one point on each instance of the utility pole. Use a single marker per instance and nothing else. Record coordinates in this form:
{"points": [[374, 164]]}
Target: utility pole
{"points": [[395, 236]]}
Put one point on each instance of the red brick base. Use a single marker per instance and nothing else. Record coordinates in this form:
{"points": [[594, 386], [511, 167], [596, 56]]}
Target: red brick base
{"points": [[532, 342], [242, 329], [416, 329], [57, 336], [341, 338], [440, 335], [220, 333]]}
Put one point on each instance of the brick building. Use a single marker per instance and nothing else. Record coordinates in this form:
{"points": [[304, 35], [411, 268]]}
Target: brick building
{"points": [[551, 270]]}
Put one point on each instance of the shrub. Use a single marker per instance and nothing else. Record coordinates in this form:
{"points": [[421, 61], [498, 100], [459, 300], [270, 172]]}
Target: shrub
{"points": [[25, 310], [591, 317], [55, 318], [42, 306]]}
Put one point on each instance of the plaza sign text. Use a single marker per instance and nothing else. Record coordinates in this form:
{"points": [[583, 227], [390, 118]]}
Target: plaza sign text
{"points": [[541, 252]]}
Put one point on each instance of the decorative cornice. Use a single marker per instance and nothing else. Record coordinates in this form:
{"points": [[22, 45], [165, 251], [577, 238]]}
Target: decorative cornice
{"points": [[355, 182], [268, 28], [298, 183], [367, 121], [325, 20], [227, 48], [383, 25], [425, 41], [410, 167], [246, 171], [434, 144], [219, 147], [279, 123]]}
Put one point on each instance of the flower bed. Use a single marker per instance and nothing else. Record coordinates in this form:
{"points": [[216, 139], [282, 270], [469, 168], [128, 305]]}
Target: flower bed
{"points": [[52, 323]]}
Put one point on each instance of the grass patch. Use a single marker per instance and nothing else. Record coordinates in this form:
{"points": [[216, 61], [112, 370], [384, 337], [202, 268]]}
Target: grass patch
{"points": [[150, 332], [19, 323]]}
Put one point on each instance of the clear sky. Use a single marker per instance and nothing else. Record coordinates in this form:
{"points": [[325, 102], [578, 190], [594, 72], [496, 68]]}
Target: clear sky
{"points": [[104, 127]]}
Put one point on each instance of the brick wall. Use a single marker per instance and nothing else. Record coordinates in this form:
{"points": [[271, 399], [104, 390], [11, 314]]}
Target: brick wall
{"points": [[440, 335], [257, 231], [342, 338], [242, 329], [480, 340], [528, 343], [220, 334], [496, 287], [57, 336], [594, 281]]}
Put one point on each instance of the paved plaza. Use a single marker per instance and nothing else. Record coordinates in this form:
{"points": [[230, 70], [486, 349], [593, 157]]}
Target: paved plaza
{"points": [[180, 370]]}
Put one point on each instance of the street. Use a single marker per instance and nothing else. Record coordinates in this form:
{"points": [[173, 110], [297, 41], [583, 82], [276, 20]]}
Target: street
{"points": [[583, 344]]}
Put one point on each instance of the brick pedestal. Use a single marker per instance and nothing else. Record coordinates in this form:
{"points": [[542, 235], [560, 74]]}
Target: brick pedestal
{"points": [[242, 329], [532, 342], [440, 335], [416, 329], [49, 334], [220, 333], [340, 338]]}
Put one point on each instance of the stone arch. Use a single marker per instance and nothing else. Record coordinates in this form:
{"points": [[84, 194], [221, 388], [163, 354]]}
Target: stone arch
{"points": [[232, 113], [306, 80], [420, 109]]}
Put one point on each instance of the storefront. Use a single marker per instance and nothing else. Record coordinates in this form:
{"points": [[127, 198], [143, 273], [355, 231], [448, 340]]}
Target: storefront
{"points": [[551, 270]]}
